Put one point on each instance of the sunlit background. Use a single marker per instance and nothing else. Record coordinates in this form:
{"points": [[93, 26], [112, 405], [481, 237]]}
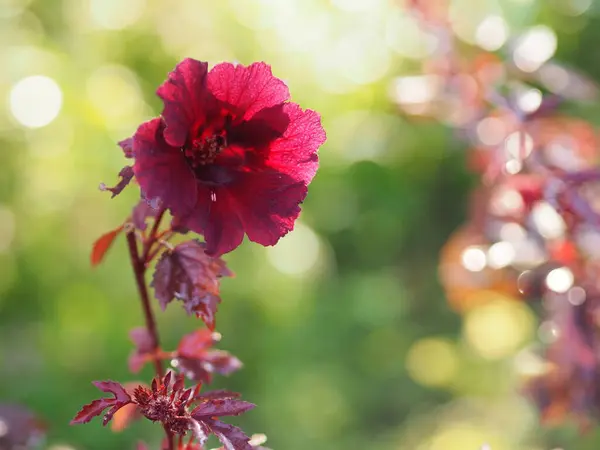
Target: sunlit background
{"points": [[347, 336]]}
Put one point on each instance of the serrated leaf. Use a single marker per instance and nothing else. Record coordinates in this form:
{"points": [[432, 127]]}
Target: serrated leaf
{"points": [[143, 348], [96, 407], [188, 274], [232, 438], [221, 407]]}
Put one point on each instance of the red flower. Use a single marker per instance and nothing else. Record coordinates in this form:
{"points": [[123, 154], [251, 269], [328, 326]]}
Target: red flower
{"points": [[230, 155]]}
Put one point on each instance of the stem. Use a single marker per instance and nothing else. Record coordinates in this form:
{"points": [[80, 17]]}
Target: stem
{"points": [[152, 237], [162, 241], [139, 270]]}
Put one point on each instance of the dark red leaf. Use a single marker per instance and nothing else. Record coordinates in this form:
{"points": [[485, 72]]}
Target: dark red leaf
{"points": [[143, 349], [195, 369], [200, 369], [204, 306], [143, 211], [188, 274], [126, 174], [140, 213], [231, 437], [91, 410], [141, 338], [95, 408], [195, 344], [102, 245], [221, 407], [195, 359], [219, 394], [223, 362]]}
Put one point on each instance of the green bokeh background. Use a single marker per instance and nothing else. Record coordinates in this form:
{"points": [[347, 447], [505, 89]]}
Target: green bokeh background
{"points": [[324, 321]]}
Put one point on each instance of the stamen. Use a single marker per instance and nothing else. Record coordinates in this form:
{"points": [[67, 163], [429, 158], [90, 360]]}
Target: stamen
{"points": [[205, 151]]}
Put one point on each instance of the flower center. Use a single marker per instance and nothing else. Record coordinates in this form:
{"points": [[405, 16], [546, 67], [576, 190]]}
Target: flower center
{"points": [[204, 151]]}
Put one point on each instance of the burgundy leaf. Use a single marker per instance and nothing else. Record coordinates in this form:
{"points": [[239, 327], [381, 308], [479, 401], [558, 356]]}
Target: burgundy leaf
{"points": [[143, 348], [126, 175], [188, 274], [223, 362], [96, 407], [195, 344], [219, 394], [198, 362], [221, 407], [102, 245], [232, 438], [195, 369], [143, 211], [200, 369], [200, 432], [141, 338], [204, 306]]}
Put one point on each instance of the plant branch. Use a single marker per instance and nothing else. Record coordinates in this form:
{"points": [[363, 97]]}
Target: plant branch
{"points": [[138, 264], [139, 272], [152, 236]]}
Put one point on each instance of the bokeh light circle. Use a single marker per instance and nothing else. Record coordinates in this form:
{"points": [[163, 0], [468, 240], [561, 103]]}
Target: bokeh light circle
{"points": [[35, 101]]}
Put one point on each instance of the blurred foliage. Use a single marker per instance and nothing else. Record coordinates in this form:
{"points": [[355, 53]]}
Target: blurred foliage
{"points": [[346, 336]]}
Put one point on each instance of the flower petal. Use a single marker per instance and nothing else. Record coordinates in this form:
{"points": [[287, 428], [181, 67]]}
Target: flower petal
{"points": [[187, 100], [215, 217], [267, 204], [246, 90], [161, 170], [295, 153], [127, 147], [265, 126]]}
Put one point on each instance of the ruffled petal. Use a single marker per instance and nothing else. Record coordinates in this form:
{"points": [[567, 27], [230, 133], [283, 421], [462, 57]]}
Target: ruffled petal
{"points": [[161, 170], [215, 217], [295, 153], [267, 204], [246, 90], [265, 126], [187, 100]]}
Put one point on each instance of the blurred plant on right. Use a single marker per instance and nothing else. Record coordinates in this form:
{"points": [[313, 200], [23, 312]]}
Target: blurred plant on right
{"points": [[533, 229]]}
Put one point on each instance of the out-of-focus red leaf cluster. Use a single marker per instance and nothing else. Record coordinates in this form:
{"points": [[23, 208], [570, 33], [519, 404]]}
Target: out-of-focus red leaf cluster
{"points": [[534, 226]]}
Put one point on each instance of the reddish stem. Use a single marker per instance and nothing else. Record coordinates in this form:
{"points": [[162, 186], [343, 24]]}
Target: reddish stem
{"points": [[161, 240], [139, 270], [152, 236]]}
